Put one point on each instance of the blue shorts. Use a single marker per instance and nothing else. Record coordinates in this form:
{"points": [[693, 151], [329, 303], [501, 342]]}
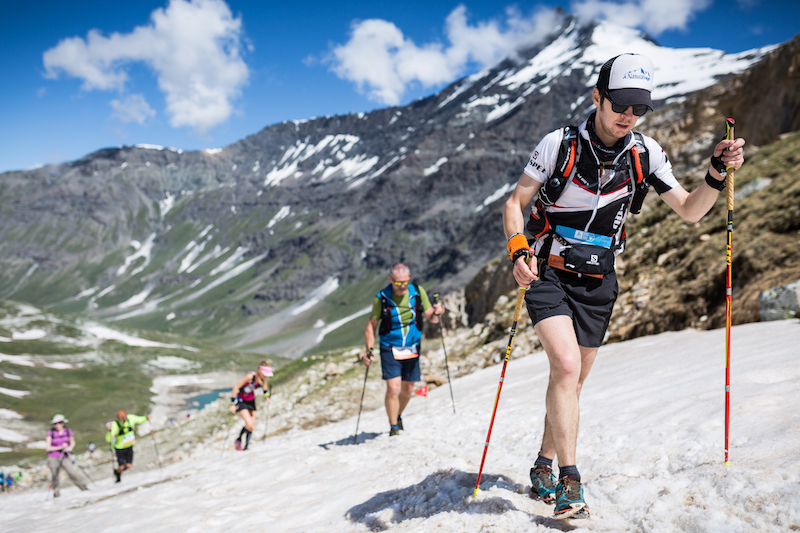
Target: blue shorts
{"points": [[408, 369]]}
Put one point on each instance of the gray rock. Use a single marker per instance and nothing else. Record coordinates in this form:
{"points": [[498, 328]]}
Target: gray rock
{"points": [[779, 303]]}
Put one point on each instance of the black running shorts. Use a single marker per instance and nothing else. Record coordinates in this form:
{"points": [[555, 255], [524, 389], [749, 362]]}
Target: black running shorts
{"points": [[249, 405], [587, 301], [125, 456]]}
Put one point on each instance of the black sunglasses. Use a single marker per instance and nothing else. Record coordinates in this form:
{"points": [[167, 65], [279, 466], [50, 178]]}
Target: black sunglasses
{"points": [[638, 109]]}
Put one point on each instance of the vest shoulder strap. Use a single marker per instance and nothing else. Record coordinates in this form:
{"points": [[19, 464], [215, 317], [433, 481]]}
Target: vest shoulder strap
{"points": [[567, 162], [418, 311], [386, 309], [386, 315], [641, 170], [568, 154]]}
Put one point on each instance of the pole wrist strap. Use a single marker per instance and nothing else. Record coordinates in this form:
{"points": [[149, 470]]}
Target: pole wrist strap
{"points": [[719, 166]]}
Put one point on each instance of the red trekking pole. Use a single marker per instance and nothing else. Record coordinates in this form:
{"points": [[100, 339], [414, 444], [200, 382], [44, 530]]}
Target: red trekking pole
{"points": [[517, 310], [728, 293]]}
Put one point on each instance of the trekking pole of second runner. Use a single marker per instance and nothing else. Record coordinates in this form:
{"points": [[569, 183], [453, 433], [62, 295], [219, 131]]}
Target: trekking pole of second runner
{"points": [[358, 421], [81, 469], [441, 332], [156, 447], [266, 424], [728, 293], [517, 311], [227, 433], [113, 456]]}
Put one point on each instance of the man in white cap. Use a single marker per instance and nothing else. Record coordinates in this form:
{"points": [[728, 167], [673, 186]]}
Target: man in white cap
{"points": [[588, 179], [59, 444]]}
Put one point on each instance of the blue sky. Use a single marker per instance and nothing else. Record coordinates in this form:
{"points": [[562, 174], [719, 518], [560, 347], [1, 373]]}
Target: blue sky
{"points": [[194, 74]]}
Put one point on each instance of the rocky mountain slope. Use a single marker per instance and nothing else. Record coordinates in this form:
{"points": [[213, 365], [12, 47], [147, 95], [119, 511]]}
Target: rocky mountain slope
{"points": [[672, 274], [271, 244]]}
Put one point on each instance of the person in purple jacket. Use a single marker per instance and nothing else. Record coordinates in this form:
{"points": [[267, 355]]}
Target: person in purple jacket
{"points": [[59, 443]]}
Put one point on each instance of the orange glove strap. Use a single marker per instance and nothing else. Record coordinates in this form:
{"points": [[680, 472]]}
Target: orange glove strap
{"points": [[517, 242]]}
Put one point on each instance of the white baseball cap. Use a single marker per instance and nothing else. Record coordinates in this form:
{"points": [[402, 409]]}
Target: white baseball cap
{"points": [[627, 79]]}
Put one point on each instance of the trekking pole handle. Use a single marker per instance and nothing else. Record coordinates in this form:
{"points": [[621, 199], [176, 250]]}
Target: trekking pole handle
{"points": [[729, 123]]}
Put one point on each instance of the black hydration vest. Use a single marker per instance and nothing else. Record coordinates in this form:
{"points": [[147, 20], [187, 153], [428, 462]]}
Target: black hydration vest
{"points": [[386, 312], [569, 159]]}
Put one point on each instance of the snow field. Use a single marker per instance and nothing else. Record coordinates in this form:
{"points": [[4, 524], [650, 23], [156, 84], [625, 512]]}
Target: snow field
{"points": [[650, 451]]}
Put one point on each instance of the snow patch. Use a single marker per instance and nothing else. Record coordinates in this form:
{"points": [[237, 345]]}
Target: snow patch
{"points": [[158, 147], [435, 167], [9, 435], [10, 415], [29, 335], [352, 167], [166, 204], [282, 213], [341, 322], [216, 253], [20, 360], [316, 296], [276, 175], [137, 298], [170, 362], [143, 251], [496, 195], [13, 392], [504, 108], [222, 279], [108, 334], [229, 262]]}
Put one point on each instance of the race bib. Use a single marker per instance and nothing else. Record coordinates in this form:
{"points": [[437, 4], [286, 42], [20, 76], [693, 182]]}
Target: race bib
{"points": [[401, 354], [128, 438]]}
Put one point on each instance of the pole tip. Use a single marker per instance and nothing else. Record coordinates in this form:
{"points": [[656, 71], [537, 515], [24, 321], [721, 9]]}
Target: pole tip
{"points": [[475, 494], [727, 463]]}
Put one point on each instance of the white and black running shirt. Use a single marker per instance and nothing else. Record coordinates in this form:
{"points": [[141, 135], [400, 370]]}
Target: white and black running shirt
{"points": [[587, 202]]}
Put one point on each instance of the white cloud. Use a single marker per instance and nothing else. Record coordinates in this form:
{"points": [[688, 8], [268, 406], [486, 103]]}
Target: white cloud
{"points": [[654, 16], [192, 46], [383, 62], [133, 108]]}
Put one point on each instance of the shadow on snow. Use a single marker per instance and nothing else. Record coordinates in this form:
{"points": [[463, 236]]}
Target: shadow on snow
{"points": [[441, 492], [349, 441]]}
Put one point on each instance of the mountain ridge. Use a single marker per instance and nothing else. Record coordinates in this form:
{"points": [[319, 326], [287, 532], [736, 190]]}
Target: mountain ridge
{"points": [[298, 203]]}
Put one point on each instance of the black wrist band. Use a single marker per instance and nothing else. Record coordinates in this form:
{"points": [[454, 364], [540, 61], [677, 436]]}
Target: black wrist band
{"points": [[518, 254], [715, 183]]}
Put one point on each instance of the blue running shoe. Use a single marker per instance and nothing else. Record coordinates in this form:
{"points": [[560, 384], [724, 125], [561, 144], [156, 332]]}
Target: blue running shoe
{"points": [[569, 499], [543, 484]]}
